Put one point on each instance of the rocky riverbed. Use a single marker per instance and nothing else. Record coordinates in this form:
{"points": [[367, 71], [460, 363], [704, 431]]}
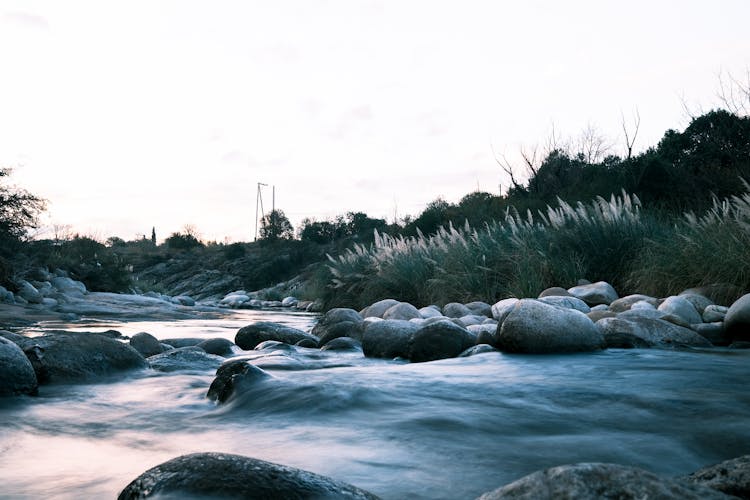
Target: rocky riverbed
{"points": [[597, 393]]}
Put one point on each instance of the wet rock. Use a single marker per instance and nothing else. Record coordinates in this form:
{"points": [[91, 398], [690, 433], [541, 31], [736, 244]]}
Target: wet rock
{"points": [[388, 339], [480, 308], [731, 477], [600, 292], [555, 291], [501, 309], [81, 356], [737, 320], [221, 475], [403, 310], [635, 332], [146, 344], [342, 344], [251, 335], [308, 343], [682, 308], [714, 313], [456, 310], [477, 349], [593, 481], [624, 303], [16, 373], [218, 346], [275, 345], [567, 302], [439, 341], [232, 377], [535, 327], [183, 342], [378, 309], [185, 358]]}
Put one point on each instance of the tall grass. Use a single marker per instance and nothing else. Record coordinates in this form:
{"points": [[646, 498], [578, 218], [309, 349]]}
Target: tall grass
{"points": [[517, 256]]}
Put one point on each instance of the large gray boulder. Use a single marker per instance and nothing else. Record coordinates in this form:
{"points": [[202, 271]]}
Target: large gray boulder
{"points": [[737, 320], [638, 331], [456, 310], [440, 340], [191, 358], [594, 481], [593, 294], [731, 477], [566, 302], [16, 373], [699, 301], [221, 475], [80, 356], [146, 344], [378, 309], [339, 322], [480, 308], [388, 339], [251, 335], [535, 327], [682, 308], [402, 310]]}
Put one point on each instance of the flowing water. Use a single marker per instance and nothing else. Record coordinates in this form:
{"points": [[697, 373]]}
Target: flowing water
{"points": [[447, 429]]}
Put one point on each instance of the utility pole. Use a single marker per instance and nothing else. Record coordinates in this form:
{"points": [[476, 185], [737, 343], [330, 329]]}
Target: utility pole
{"points": [[258, 200]]}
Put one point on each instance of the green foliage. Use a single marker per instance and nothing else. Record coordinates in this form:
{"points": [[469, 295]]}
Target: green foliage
{"points": [[275, 226], [19, 210], [355, 225], [182, 241]]}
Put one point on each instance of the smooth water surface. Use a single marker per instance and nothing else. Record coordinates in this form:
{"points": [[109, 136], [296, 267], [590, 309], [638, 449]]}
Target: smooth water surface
{"points": [[447, 429]]}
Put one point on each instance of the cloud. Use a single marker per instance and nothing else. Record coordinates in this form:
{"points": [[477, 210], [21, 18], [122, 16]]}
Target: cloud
{"points": [[25, 20]]}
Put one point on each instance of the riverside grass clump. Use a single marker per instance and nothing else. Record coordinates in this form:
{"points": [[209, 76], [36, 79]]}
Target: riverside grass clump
{"points": [[517, 256]]}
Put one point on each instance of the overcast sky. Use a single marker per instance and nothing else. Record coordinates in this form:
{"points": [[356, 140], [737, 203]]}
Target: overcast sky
{"points": [[132, 114]]}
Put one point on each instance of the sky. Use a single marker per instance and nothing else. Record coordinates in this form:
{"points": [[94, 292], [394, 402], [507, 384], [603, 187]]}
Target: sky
{"points": [[139, 114]]}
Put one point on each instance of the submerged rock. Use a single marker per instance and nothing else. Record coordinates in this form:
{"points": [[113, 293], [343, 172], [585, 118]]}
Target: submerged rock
{"points": [[219, 346], [342, 344], [221, 475], [535, 327], [232, 376], [593, 481], [731, 477], [185, 358], [16, 373], [146, 344], [477, 349], [251, 335]]}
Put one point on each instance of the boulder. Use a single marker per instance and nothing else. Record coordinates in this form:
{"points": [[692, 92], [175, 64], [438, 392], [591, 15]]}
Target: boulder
{"points": [[430, 312], [731, 477], [30, 294], [737, 320], [185, 358], [339, 322], [535, 327], [16, 373], [251, 335], [402, 310], [624, 303], [713, 313], [480, 308], [566, 302], [597, 315], [699, 301], [681, 307], [592, 481], [456, 310], [388, 339], [642, 304], [68, 286], [6, 296], [218, 346], [439, 341], [231, 377], [477, 349], [146, 344], [502, 308], [289, 301], [342, 344], [471, 319], [713, 332], [644, 312], [81, 356], [221, 475], [307, 343], [379, 308], [555, 291], [600, 292], [647, 332]]}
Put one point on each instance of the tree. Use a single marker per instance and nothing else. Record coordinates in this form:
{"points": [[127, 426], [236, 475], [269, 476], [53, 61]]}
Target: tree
{"points": [[19, 211], [275, 226]]}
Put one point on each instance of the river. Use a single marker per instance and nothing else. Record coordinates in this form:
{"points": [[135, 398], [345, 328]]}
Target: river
{"points": [[447, 429]]}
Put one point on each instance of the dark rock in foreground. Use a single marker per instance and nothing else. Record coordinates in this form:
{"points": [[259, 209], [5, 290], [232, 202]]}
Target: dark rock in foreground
{"points": [[233, 376], [593, 481], [439, 341], [16, 373], [251, 335], [731, 477], [221, 475]]}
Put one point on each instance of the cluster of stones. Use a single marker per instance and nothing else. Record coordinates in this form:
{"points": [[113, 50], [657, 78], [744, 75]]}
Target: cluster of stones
{"points": [[234, 476], [241, 299], [52, 289]]}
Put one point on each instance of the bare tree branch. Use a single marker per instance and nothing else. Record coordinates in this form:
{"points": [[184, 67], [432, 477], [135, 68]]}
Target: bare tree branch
{"points": [[629, 142]]}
